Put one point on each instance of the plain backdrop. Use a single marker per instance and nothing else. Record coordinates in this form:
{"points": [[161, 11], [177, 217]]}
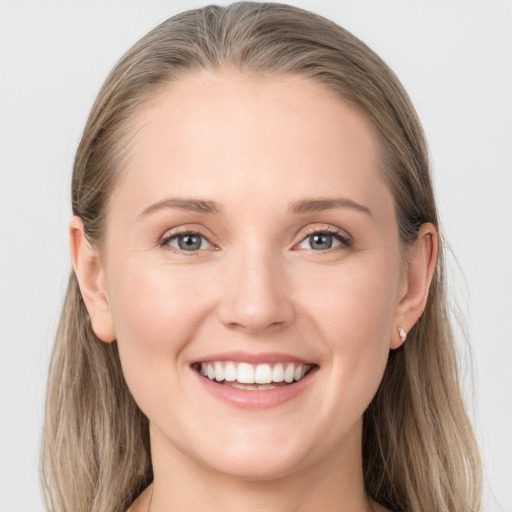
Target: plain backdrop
{"points": [[454, 58]]}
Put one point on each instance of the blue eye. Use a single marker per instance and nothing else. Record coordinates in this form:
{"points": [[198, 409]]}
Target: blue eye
{"points": [[322, 241], [194, 242], [189, 242]]}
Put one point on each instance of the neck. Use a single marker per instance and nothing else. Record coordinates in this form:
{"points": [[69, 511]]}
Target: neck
{"points": [[333, 484]]}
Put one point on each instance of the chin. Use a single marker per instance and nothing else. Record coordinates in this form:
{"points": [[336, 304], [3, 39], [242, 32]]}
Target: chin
{"points": [[263, 466], [267, 452]]}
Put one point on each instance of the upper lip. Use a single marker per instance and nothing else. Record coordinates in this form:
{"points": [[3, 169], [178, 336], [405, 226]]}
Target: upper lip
{"points": [[252, 358]]}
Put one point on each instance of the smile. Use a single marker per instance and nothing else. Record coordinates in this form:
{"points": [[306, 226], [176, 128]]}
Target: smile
{"points": [[253, 377], [245, 380]]}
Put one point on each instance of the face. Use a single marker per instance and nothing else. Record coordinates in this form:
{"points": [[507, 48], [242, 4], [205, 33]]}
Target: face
{"points": [[253, 273]]}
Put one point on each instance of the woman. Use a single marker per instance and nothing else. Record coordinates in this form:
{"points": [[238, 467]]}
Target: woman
{"points": [[257, 313]]}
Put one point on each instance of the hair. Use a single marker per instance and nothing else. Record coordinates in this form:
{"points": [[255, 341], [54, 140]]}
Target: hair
{"points": [[419, 451]]}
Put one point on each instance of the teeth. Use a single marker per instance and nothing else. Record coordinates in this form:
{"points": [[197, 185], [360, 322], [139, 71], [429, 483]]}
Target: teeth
{"points": [[219, 372], [289, 373], [278, 373], [263, 374], [229, 372], [264, 387], [253, 387], [242, 375]]}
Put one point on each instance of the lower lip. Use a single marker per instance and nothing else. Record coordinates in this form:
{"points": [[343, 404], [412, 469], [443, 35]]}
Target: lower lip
{"points": [[252, 399]]}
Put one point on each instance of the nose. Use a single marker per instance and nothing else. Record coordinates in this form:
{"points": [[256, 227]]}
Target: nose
{"points": [[255, 297]]}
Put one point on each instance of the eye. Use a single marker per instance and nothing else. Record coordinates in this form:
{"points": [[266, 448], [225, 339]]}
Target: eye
{"points": [[324, 240], [187, 241]]}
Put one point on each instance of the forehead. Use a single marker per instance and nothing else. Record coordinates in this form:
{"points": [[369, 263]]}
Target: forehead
{"points": [[228, 135]]}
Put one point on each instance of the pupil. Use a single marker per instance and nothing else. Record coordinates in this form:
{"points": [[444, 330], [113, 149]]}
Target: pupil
{"points": [[321, 241], [189, 242]]}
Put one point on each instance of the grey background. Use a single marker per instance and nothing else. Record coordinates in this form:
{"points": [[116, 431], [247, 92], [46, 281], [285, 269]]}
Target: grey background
{"points": [[455, 59]]}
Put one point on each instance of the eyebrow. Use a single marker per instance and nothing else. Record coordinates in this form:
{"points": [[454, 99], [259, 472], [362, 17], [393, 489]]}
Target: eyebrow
{"points": [[297, 207], [316, 205], [191, 205]]}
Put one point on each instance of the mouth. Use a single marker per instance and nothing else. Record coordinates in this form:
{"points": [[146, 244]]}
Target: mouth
{"points": [[253, 377]]}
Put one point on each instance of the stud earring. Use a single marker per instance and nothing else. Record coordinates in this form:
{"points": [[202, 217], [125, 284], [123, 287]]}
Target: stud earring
{"points": [[402, 333]]}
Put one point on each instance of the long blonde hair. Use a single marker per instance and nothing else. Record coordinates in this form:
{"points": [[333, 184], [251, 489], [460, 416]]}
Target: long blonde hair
{"points": [[419, 452]]}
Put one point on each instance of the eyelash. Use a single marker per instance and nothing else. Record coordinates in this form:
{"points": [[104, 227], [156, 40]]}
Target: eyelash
{"points": [[345, 240], [341, 235], [164, 242]]}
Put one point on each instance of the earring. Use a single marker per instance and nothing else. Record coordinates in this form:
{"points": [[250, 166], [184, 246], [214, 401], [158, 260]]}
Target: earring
{"points": [[402, 333]]}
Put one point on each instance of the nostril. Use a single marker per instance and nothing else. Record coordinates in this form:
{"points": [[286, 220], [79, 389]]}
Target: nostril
{"points": [[256, 307], [256, 327]]}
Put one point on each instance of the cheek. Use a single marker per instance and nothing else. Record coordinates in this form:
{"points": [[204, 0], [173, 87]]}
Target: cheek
{"points": [[155, 312], [353, 310], [154, 306], [355, 303]]}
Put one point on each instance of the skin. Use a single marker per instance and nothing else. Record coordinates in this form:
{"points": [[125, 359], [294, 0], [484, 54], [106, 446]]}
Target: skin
{"points": [[255, 146]]}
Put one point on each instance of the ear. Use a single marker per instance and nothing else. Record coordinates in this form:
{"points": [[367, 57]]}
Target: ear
{"points": [[91, 278], [422, 262]]}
